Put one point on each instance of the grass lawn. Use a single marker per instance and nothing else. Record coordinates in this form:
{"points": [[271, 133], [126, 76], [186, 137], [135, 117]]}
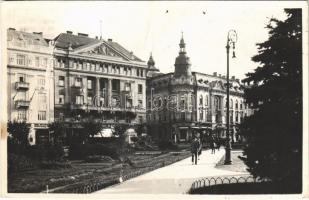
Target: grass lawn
{"points": [[34, 181], [237, 164]]}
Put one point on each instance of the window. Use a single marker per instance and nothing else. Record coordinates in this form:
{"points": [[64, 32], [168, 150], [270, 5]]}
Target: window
{"points": [[78, 82], [183, 116], [231, 104], [45, 62], [89, 100], [201, 115], [42, 98], [206, 100], [201, 100], [21, 59], [11, 59], [41, 82], [236, 104], [42, 115], [127, 87], [61, 99], [140, 104], [61, 81], [22, 77], [140, 89], [137, 72], [89, 84], [21, 95], [241, 105], [140, 119], [37, 61], [79, 100], [22, 115], [142, 73], [114, 85]]}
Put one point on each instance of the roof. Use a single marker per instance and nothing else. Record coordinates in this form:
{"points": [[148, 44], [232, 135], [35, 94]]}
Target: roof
{"points": [[124, 51], [31, 38], [64, 40]]}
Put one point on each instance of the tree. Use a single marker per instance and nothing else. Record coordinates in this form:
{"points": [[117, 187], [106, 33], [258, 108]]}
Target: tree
{"points": [[274, 131], [19, 132], [91, 127], [58, 130]]}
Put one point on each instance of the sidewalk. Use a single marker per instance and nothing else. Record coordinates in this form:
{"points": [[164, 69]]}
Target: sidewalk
{"points": [[173, 179]]}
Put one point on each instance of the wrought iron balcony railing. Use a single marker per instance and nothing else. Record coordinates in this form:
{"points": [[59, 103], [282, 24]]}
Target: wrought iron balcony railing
{"points": [[21, 85]]}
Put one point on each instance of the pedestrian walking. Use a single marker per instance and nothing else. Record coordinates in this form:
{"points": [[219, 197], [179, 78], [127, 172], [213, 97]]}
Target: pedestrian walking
{"points": [[194, 150], [213, 145], [199, 149], [218, 143]]}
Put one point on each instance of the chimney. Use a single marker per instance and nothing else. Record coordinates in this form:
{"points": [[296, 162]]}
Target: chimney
{"points": [[109, 39], [237, 80], [219, 75], [38, 33], [223, 76], [215, 74], [233, 77], [82, 34], [12, 29], [96, 37], [69, 32]]}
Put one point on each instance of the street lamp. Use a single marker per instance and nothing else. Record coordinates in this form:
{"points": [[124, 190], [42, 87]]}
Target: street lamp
{"points": [[231, 40]]}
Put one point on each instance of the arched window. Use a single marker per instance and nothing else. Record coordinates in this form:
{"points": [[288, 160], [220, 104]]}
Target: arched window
{"points": [[201, 100], [236, 104], [241, 105], [217, 103]]}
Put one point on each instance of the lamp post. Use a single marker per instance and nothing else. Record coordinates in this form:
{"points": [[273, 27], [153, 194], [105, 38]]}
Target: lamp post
{"points": [[231, 40]]}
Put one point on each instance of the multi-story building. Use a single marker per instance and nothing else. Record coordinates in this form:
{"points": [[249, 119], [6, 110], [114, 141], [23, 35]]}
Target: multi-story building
{"points": [[184, 102], [99, 78], [30, 82]]}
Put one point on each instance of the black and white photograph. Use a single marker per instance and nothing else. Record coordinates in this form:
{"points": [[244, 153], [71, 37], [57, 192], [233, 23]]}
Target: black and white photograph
{"points": [[125, 99]]}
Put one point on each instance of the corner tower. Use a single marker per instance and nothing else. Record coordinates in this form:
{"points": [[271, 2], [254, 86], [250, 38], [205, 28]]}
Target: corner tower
{"points": [[182, 62]]}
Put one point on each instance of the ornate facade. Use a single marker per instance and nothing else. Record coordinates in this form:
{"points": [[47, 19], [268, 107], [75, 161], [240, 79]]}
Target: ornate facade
{"points": [[98, 77], [30, 82], [184, 102]]}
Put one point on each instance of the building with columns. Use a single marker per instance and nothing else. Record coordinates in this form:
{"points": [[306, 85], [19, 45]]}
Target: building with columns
{"points": [[183, 103], [99, 78], [30, 91]]}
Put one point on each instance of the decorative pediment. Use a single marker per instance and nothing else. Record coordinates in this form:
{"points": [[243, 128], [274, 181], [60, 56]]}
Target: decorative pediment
{"points": [[218, 85], [101, 50]]}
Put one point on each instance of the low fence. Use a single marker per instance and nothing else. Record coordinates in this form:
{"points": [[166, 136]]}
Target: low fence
{"points": [[91, 186], [211, 181]]}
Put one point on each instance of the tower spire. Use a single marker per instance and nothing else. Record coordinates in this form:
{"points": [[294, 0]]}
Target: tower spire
{"points": [[182, 62]]}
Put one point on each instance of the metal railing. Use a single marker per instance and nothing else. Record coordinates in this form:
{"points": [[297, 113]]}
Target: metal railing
{"points": [[211, 181]]}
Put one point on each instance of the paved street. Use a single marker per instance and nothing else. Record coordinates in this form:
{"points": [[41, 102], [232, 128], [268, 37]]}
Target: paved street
{"points": [[173, 179]]}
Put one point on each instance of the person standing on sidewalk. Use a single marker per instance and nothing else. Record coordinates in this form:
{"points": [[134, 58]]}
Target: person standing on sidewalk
{"points": [[199, 148], [194, 150], [212, 145]]}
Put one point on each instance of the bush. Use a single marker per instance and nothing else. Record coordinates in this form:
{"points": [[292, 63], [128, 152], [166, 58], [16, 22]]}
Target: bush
{"points": [[98, 158], [81, 151], [49, 152], [167, 145], [55, 165], [17, 163]]}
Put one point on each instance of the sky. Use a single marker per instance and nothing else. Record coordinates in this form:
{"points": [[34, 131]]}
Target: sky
{"points": [[145, 27]]}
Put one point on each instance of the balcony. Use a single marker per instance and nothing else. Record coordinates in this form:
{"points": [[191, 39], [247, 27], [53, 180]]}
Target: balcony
{"points": [[22, 86], [22, 104]]}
